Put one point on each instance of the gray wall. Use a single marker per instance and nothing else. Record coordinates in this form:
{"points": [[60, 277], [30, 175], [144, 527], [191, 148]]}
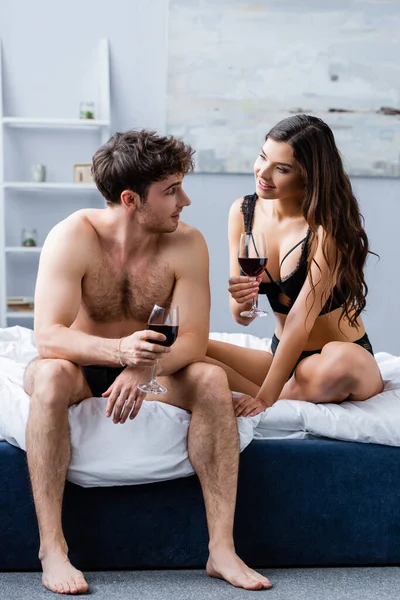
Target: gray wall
{"points": [[44, 58]]}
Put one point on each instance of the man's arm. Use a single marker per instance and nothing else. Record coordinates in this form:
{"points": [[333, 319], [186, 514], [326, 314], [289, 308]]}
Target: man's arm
{"points": [[58, 295], [192, 295]]}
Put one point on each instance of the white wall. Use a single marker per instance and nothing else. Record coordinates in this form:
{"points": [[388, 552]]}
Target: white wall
{"points": [[48, 47]]}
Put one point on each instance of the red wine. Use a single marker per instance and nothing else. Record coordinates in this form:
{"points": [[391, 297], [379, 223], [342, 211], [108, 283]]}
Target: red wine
{"points": [[253, 266], [170, 332]]}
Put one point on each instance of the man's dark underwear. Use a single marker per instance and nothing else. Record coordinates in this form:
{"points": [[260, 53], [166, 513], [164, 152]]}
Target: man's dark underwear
{"points": [[100, 378]]}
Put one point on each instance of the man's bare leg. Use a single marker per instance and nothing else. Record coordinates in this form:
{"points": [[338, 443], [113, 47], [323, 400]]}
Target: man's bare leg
{"points": [[214, 453], [53, 385]]}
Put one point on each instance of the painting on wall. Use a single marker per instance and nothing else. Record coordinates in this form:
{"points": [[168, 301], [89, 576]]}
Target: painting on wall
{"points": [[237, 67]]}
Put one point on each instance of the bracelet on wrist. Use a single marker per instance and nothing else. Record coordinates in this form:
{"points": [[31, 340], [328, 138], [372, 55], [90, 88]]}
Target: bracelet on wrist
{"points": [[119, 353]]}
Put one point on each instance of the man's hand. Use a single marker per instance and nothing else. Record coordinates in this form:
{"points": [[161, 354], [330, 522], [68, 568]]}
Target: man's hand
{"points": [[141, 348], [246, 406], [124, 397], [243, 289]]}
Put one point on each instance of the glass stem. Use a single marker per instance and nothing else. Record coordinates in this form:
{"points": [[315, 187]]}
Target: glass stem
{"points": [[154, 372], [255, 304]]}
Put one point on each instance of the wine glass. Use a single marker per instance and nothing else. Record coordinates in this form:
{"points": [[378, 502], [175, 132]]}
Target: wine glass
{"points": [[164, 320], [252, 257]]}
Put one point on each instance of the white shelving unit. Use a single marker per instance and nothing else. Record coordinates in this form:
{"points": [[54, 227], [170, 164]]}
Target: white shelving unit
{"points": [[19, 314], [28, 186], [23, 249], [100, 125], [55, 123]]}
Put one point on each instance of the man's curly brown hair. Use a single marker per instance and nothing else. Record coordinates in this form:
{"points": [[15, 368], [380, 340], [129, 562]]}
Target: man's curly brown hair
{"points": [[135, 159]]}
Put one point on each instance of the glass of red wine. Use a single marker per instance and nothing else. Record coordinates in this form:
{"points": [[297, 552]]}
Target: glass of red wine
{"points": [[164, 320], [252, 257]]}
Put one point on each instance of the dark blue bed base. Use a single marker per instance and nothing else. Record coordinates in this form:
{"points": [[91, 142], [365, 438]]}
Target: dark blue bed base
{"points": [[300, 503]]}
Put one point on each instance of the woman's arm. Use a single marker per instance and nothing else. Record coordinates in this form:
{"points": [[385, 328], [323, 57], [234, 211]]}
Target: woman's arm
{"points": [[300, 321]]}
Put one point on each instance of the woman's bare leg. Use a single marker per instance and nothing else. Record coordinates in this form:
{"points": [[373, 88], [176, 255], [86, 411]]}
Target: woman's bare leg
{"points": [[246, 368], [342, 371], [237, 383]]}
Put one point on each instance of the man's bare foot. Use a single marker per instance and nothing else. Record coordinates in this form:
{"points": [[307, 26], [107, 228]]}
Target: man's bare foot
{"points": [[227, 565], [60, 576]]}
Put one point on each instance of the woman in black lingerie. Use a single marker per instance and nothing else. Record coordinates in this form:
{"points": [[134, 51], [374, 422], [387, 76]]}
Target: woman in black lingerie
{"points": [[314, 280]]}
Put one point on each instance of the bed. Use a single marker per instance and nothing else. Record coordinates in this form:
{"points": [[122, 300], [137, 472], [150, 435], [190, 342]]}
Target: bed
{"points": [[319, 484]]}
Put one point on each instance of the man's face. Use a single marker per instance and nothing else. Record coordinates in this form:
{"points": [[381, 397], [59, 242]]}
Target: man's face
{"points": [[160, 213]]}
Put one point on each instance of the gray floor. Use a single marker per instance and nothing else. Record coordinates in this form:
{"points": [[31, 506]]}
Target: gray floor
{"points": [[377, 583]]}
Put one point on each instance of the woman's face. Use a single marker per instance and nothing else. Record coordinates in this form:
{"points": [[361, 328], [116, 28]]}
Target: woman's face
{"points": [[277, 173]]}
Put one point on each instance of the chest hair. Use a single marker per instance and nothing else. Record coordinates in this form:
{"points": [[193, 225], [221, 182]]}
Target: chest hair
{"points": [[112, 294]]}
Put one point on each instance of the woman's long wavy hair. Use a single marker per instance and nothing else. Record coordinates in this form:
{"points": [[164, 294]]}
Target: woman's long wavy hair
{"points": [[329, 203]]}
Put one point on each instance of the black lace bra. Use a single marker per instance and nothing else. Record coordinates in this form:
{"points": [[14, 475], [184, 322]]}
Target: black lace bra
{"points": [[282, 294]]}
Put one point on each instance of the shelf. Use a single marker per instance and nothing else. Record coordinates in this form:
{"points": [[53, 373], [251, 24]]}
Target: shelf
{"points": [[55, 123], [24, 249], [20, 260], [28, 186]]}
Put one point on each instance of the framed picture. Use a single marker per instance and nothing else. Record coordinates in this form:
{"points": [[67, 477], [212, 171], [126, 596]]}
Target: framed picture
{"points": [[226, 104], [82, 173]]}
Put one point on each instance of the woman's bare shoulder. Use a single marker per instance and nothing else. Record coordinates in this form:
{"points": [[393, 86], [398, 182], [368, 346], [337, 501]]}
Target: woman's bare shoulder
{"points": [[236, 206]]}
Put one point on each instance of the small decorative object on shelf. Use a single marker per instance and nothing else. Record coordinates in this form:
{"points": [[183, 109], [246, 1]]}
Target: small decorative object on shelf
{"points": [[20, 303], [83, 173], [29, 237], [86, 110], [38, 173]]}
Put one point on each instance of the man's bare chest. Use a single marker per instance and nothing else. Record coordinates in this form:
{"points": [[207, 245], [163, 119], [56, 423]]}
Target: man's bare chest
{"points": [[114, 293]]}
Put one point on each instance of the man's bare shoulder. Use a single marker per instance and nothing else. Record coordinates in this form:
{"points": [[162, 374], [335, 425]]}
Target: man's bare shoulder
{"points": [[77, 229], [187, 236], [189, 252]]}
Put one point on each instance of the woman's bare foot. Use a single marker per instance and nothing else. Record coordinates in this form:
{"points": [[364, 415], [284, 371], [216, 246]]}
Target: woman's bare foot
{"points": [[60, 576], [225, 564]]}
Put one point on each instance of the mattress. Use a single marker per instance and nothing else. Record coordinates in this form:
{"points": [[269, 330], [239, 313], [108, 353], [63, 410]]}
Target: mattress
{"points": [[153, 447]]}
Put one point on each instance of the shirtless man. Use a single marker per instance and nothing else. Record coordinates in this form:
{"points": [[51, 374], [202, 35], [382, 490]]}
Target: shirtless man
{"points": [[101, 271]]}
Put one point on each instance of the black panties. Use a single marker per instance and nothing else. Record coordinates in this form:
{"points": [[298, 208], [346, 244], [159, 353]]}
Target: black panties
{"points": [[363, 342]]}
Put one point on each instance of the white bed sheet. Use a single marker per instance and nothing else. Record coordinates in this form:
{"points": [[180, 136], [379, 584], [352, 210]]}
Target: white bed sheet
{"points": [[150, 448], [153, 446], [376, 420]]}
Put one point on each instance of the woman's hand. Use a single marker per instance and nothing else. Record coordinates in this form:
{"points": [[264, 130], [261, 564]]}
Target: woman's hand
{"points": [[246, 406], [243, 289]]}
